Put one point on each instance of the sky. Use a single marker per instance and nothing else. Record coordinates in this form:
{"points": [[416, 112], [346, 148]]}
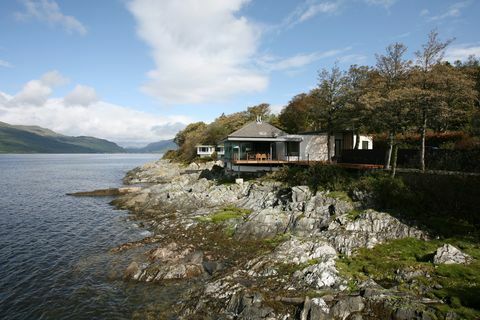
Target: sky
{"points": [[138, 71]]}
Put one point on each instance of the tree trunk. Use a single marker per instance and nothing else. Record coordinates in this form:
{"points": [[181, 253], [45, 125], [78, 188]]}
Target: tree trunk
{"points": [[422, 147], [388, 156], [357, 141], [394, 160], [329, 147]]}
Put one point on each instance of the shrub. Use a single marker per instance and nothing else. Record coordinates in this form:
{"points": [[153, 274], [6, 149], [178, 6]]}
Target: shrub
{"points": [[317, 177], [388, 192], [170, 155]]}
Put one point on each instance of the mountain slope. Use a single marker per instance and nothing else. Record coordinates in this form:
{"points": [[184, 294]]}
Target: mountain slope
{"points": [[33, 139], [155, 147]]}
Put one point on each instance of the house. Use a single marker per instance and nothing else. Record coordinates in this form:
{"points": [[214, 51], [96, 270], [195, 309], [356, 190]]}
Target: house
{"points": [[259, 146], [204, 151]]}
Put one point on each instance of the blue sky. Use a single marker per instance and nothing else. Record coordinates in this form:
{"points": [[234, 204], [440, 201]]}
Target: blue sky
{"points": [[137, 71]]}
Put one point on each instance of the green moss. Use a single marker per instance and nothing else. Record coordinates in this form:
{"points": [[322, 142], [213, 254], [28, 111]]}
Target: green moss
{"points": [[340, 195], [354, 213], [459, 285], [225, 214], [279, 238]]}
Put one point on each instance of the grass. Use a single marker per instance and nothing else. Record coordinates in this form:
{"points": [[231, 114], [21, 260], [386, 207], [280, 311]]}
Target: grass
{"points": [[339, 195], [457, 285], [225, 214], [354, 214]]}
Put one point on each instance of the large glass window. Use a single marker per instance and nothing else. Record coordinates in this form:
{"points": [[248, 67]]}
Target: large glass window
{"points": [[292, 148]]}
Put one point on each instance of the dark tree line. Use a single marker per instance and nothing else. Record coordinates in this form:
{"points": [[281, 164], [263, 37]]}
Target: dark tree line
{"points": [[395, 96]]}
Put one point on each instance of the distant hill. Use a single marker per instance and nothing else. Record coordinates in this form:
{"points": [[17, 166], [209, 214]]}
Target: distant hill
{"points": [[34, 139], [155, 147]]}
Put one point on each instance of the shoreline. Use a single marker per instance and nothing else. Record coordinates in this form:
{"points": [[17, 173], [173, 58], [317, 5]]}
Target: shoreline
{"points": [[260, 250]]}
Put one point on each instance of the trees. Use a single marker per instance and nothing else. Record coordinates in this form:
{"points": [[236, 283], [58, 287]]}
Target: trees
{"points": [[356, 115], [389, 97], [427, 82], [296, 116], [329, 98]]}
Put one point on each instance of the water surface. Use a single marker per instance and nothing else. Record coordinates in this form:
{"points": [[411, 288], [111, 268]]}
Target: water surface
{"points": [[54, 259]]}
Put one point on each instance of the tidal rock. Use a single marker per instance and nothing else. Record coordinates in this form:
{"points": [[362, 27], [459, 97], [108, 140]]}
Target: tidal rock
{"points": [[448, 254]]}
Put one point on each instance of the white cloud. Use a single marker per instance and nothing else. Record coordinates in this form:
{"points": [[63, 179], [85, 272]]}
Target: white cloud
{"points": [[462, 52], [5, 64], [54, 78], [81, 96], [454, 11], [309, 10], [424, 12], [383, 3], [36, 92], [274, 64], [126, 126], [353, 58], [203, 51], [314, 9], [48, 11]]}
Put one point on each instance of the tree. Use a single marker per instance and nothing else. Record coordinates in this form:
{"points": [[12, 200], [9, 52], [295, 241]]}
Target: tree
{"points": [[296, 116], [428, 57], [329, 99], [356, 114], [181, 136], [261, 110], [388, 96]]}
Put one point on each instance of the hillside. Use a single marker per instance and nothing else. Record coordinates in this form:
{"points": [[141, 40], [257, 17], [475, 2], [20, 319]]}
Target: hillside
{"points": [[155, 147], [34, 139]]}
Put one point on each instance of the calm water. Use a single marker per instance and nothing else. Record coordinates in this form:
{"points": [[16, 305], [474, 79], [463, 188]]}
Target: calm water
{"points": [[54, 259]]}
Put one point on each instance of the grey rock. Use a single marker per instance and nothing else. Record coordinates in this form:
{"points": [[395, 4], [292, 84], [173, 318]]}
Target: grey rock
{"points": [[347, 305], [448, 254]]}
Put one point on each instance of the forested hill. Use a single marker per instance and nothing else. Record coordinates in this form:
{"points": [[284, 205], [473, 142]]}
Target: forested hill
{"points": [[155, 147], [34, 139]]}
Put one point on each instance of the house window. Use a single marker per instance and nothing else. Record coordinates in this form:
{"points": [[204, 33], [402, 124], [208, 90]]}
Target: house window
{"points": [[365, 145], [204, 149], [293, 148]]}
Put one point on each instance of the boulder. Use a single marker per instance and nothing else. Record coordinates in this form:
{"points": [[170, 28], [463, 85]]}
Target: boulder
{"points": [[265, 223], [448, 254], [346, 306]]}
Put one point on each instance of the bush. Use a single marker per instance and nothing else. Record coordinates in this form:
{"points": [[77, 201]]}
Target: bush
{"points": [[317, 177], [388, 192], [170, 155]]}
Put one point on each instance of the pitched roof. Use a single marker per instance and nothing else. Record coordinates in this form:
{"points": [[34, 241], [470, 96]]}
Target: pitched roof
{"points": [[257, 130]]}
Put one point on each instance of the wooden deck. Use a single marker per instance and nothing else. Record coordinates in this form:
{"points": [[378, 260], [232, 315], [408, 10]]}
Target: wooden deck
{"points": [[359, 166]]}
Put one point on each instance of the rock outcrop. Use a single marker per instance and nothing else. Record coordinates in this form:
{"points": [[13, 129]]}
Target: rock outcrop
{"points": [[448, 254], [295, 238]]}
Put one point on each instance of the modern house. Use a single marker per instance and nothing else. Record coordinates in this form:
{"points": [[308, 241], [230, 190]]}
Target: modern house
{"points": [[204, 151], [259, 146]]}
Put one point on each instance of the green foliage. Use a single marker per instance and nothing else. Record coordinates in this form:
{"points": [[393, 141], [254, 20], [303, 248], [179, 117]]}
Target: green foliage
{"points": [[388, 192], [170, 155], [317, 177]]}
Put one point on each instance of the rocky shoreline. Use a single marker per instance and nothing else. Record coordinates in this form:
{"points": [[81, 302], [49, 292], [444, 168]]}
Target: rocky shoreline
{"points": [[261, 250]]}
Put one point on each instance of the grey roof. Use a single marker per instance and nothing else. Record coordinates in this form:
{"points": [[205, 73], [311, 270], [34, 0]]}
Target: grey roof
{"points": [[257, 130]]}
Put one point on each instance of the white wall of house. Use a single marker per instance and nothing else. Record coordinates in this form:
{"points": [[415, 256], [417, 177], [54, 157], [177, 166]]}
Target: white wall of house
{"points": [[204, 151], [314, 147]]}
